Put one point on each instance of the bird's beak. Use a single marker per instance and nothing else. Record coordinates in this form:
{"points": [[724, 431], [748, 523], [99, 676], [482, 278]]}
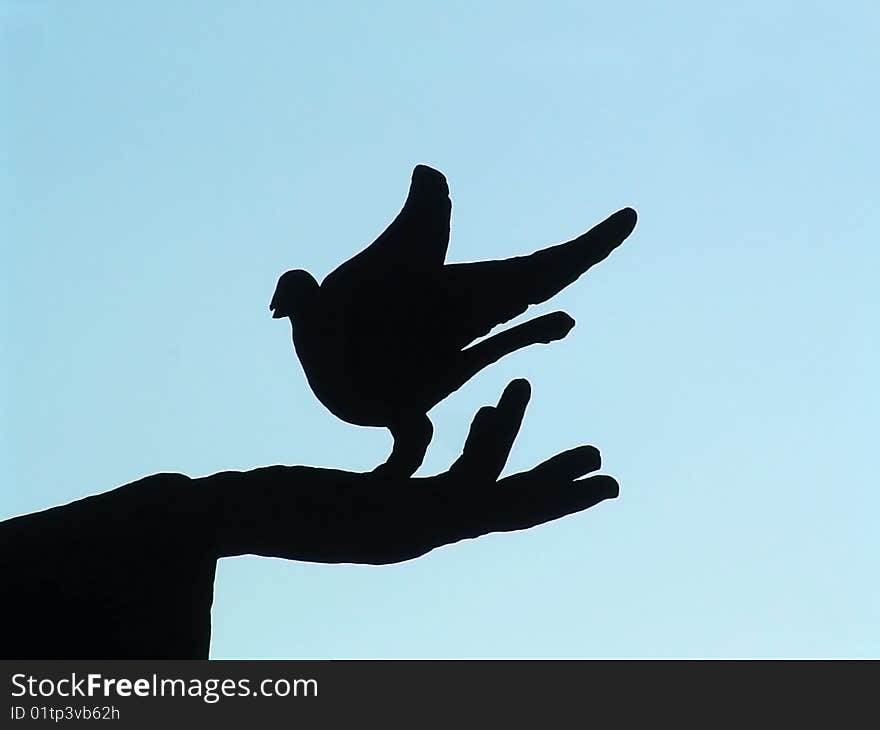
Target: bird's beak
{"points": [[273, 307]]}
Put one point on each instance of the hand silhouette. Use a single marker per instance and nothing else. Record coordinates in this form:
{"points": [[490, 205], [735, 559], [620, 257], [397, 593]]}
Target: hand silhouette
{"points": [[129, 573], [547, 492], [336, 516]]}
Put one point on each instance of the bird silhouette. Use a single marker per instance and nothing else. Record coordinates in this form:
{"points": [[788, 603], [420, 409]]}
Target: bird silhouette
{"points": [[385, 337]]}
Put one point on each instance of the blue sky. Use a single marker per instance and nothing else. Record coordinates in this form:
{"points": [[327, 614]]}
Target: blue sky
{"points": [[163, 163]]}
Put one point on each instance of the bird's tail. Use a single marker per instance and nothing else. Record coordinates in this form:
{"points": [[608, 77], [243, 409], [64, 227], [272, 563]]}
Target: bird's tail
{"points": [[545, 329]]}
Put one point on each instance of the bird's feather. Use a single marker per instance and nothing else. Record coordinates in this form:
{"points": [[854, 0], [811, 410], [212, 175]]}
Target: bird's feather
{"points": [[413, 244], [479, 296]]}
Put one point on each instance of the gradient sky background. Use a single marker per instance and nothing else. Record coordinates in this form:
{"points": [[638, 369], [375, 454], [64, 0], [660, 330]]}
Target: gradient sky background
{"points": [[163, 163]]}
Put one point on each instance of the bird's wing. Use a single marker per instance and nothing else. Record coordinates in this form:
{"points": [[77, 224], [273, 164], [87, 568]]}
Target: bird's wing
{"points": [[478, 296], [414, 243]]}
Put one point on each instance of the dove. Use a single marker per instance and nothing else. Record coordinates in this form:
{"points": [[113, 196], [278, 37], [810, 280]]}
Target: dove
{"points": [[388, 334]]}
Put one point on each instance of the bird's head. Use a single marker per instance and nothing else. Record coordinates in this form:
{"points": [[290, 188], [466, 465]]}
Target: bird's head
{"points": [[295, 293]]}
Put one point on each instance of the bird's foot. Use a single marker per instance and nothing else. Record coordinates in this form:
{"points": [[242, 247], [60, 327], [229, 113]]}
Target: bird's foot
{"points": [[390, 471], [411, 438]]}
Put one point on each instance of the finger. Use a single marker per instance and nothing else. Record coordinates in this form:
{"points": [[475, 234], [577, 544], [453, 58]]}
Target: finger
{"points": [[568, 466], [503, 429], [481, 426], [492, 434], [534, 503], [511, 409]]}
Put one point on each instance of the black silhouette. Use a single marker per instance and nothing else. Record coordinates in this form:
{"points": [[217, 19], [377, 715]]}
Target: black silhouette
{"points": [[129, 573], [384, 337]]}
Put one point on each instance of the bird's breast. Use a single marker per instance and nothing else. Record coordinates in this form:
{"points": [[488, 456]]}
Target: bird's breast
{"points": [[364, 377]]}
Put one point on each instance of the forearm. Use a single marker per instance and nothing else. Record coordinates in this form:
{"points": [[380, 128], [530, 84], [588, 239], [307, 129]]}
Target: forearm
{"points": [[127, 573]]}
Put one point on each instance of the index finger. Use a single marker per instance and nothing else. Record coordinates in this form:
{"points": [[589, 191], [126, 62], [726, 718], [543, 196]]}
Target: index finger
{"points": [[492, 433]]}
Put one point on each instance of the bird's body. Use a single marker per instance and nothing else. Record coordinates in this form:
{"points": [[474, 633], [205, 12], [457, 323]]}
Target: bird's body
{"points": [[361, 367], [385, 336]]}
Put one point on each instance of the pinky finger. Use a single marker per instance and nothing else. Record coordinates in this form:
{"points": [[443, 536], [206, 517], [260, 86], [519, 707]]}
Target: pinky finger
{"points": [[529, 504]]}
